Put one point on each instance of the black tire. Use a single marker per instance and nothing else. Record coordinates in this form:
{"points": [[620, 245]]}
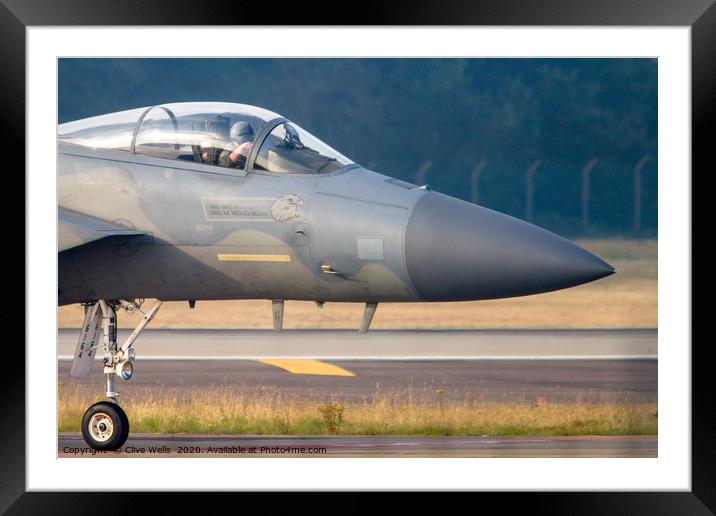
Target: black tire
{"points": [[105, 426]]}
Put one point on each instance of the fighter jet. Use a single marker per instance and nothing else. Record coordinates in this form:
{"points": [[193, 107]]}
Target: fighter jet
{"points": [[206, 201]]}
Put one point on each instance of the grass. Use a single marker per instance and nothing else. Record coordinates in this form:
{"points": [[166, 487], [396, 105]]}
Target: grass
{"points": [[625, 299], [222, 410]]}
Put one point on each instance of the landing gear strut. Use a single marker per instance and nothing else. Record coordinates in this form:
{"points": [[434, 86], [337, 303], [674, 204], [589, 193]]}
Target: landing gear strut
{"points": [[105, 425]]}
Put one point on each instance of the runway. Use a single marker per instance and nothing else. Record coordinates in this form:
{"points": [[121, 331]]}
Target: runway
{"points": [[511, 380], [482, 365], [387, 344], [156, 445]]}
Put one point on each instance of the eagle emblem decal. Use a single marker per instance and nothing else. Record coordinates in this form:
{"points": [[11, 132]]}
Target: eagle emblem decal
{"points": [[286, 208]]}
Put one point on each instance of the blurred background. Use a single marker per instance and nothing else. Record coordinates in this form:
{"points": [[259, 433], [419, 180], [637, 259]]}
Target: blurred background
{"points": [[568, 144]]}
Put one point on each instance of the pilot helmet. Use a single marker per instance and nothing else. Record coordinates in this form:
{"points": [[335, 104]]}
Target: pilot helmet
{"points": [[242, 132]]}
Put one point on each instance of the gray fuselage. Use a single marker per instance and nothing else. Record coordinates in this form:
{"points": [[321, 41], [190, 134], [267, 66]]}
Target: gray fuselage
{"points": [[213, 235], [350, 235]]}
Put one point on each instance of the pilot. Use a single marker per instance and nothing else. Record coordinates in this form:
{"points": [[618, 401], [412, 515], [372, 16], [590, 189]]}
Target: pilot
{"points": [[242, 137]]}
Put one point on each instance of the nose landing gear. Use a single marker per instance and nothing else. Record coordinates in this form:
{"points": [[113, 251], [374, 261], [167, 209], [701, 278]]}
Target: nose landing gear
{"points": [[105, 425]]}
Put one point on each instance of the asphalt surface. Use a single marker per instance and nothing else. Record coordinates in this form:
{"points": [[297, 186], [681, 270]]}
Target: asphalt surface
{"points": [[387, 344], [511, 380], [154, 445], [516, 365]]}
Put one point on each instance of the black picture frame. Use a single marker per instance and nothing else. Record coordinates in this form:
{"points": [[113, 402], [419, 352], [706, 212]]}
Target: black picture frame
{"points": [[700, 15]]}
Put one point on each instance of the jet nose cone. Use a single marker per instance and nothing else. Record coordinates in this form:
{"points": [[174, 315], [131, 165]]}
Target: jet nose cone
{"points": [[458, 251]]}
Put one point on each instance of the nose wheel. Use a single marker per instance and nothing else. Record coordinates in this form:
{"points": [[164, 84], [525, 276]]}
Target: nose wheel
{"points": [[105, 426]]}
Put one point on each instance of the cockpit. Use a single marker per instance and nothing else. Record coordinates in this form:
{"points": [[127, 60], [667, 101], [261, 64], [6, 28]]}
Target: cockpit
{"points": [[224, 135]]}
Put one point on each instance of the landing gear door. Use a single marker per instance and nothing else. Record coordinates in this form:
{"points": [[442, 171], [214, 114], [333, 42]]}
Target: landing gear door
{"points": [[87, 343]]}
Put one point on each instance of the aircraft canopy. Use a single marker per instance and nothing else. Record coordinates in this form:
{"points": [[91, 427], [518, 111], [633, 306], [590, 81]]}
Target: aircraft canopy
{"points": [[226, 135]]}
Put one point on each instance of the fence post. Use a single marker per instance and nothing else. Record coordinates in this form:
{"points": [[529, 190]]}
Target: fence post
{"points": [[475, 182], [585, 191], [637, 191], [529, 185]]}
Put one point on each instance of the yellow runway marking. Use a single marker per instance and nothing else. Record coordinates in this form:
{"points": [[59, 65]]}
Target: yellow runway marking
{"points": [[254, 257], [308, 367]]}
